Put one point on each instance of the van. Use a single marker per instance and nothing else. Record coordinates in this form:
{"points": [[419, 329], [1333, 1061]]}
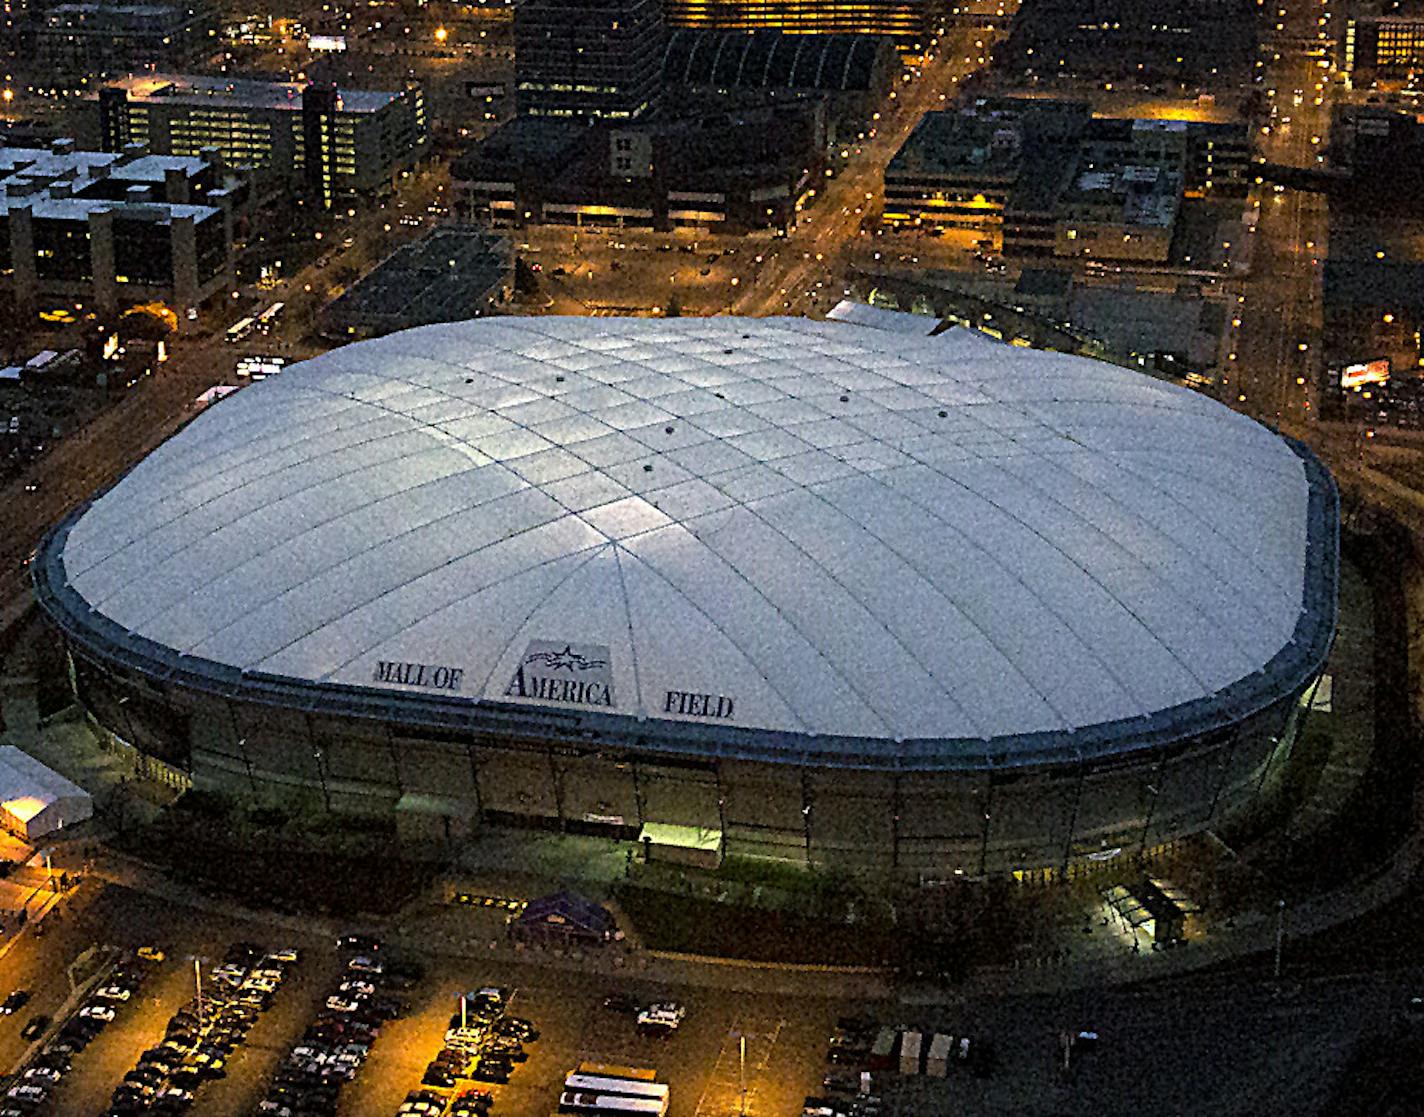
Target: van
{"points": [[910, 1045], [937, 1061]]}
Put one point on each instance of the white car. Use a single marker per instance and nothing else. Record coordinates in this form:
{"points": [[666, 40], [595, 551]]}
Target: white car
{"points": [[466, 1039], [46, 1075], [363, 964], [97, 1012], [341, 1004], [362, 988], [285, 954], [114, 993], [661, 1017], [26, 1092]]}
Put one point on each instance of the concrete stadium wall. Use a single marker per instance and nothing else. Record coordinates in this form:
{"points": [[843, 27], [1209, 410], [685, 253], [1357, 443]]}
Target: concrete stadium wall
{"points": [[926, 824]]}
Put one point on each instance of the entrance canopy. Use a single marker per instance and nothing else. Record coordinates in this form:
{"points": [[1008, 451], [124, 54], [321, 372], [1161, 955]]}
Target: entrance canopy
{"points": [[567, 915]]}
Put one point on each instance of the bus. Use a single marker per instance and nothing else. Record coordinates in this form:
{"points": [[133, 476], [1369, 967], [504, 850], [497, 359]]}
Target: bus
{"points": [[270, 317], [632, 1087], [577, 1101], [240, 330], [601, 1088]]}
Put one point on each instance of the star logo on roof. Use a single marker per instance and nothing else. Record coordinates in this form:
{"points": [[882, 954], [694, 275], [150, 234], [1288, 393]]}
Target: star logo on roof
{"points": [[567, 659]]}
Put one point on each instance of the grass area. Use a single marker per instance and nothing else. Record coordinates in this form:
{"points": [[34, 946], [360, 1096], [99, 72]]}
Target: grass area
{"points": [[691, 926], [319, 864]]}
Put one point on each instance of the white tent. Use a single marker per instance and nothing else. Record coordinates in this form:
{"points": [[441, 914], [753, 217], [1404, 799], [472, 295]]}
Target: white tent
{"points": [[36, 800]]}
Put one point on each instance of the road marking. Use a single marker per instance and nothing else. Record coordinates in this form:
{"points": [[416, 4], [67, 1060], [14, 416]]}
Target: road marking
{"points": [[726, 1075]]}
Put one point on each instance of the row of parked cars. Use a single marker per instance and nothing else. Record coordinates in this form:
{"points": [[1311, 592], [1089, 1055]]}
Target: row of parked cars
{"points": [[483, 1043], [334, 1048], [32, 1087], [202, 1035]]}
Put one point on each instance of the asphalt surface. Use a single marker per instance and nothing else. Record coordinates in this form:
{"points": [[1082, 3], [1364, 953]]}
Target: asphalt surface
{"points": [[1154, 1043]]}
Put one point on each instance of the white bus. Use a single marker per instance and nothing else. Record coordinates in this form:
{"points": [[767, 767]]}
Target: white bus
{"points": [[270, 317], [596, 1088], [240, 330], [632, 1087], [575, 1101]]}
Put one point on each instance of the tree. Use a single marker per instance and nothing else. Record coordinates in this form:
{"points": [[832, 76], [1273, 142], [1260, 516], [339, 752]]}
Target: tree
{"points": [[526, 281]]}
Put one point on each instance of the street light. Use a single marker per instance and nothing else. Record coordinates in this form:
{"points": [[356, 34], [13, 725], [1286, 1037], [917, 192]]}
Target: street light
{"points": [[742, 1044], [198, 982]]}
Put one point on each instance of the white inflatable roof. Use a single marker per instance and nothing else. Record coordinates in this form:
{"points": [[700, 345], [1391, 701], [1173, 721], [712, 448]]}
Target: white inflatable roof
{"points": [[812, 527]]}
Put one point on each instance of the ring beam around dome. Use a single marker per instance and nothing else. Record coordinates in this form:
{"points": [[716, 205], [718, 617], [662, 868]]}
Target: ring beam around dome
{"points": [[807, 590]]}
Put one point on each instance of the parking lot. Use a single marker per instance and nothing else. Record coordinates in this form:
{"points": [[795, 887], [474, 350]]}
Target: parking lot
{"points": [[1154, 1042], [701, 1060]]}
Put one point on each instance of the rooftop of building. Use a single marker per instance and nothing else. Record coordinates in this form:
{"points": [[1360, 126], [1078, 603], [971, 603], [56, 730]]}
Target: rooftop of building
{"points": [[988, 135], [772, 60], [52, 181], [243, 93]]}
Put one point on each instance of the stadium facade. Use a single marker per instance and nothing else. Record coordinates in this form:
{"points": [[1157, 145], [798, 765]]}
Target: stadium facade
{"points": [[815, 591]]}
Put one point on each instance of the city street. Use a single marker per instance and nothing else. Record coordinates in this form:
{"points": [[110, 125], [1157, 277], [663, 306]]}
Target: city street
{"points": [[1278, 309]]}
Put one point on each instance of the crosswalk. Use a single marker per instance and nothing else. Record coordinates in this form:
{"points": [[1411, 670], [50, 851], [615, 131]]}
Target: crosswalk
{"points": [[734, 1070]]}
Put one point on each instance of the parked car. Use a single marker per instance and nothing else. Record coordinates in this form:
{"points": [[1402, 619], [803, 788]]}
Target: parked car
{"points": [[14, 1002], [358, 944]]}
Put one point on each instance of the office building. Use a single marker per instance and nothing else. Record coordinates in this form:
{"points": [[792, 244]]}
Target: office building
{"points": [[913, 25], [1040, 177], [1382, 48], [85, 40], [109, 230], [853, 73], [732, 170], [329, 142], [1201, 43], [588, 59]]}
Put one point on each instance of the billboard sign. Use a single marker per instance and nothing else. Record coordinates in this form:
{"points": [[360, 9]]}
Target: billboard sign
{"points": [[1369, 372]]}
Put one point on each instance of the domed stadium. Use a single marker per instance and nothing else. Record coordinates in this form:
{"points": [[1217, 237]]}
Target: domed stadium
{"points": [[811, 591]]}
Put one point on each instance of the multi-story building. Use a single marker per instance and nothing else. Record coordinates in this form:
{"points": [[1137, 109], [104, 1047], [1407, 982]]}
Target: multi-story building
{"points": [[1039, 177], [110, 229], [1197, 42], [733, 171], [1387, 48], [330, 142], [595, 59], [87, 39], [854, 73], [914, 25], [960, 169]]}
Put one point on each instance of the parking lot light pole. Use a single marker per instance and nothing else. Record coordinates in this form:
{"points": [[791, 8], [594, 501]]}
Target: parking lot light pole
{"points": [[198, 981], [742, 1043]]}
